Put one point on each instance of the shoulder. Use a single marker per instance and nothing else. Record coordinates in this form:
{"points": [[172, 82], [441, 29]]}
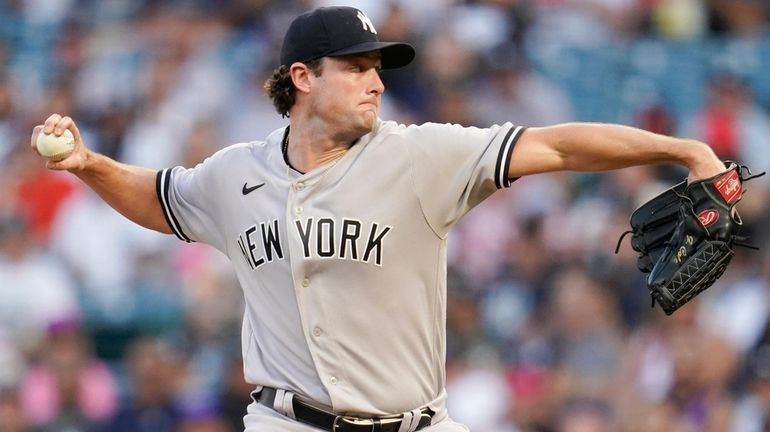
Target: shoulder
{"points": [[385, 127], [437, 132], [394, 130], [237, 150]]}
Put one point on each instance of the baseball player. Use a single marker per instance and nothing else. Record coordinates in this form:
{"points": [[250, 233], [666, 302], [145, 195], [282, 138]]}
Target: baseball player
{"points": [[337, 226]]}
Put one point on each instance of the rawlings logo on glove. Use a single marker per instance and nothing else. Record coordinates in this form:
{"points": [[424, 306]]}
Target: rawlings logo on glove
{"points": [[729, 186], [708, 217], [685, 236]]}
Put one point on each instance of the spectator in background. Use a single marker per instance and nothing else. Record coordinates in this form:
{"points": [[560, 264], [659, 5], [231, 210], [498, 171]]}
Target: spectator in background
{"points": [[586, 334], [535, 401], [104, 275], [744, 18], [732, 122], [9, 127], [752, 412], [586, 416], [156, 375], [449, 64], [11, 371], [181, 82], [37, 194], [11, 413], [703, 367], [520, 285], [474, 367], [35, 289], [512, 91], [482, 396], [69, 388], [233, 397], [237, 120], [678, 19], [585, 23], [739, 309], [201, 413], [674, 369], [406, 93], [464, 326], [160, 126]]}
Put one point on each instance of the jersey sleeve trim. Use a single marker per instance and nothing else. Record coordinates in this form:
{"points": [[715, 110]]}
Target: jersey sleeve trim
{"points": [[504, 158], [162, 186]]}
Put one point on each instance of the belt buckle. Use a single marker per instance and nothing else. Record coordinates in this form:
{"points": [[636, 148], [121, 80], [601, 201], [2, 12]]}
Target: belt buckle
{"points": [[355, 421]]}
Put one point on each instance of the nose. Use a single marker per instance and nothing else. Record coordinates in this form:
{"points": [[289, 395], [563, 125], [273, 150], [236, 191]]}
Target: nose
{"points": [[377, 86]]}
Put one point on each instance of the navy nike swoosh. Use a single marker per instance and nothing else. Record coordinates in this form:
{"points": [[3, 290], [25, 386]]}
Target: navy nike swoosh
{"points": [[247, 190]]}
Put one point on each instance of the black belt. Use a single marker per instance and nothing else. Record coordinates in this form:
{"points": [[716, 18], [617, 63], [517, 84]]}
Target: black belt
{"points": [[325, 420]]}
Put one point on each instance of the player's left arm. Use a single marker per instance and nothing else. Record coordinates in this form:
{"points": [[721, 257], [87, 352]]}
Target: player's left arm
{"points": [[590, 147]]}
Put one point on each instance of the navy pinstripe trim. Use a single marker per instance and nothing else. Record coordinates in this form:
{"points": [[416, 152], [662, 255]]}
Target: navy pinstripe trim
{"points": [[504, 157], [162, 185]]}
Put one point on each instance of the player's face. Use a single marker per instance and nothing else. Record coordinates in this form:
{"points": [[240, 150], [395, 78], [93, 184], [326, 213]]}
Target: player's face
{"points": [[348, 92]]}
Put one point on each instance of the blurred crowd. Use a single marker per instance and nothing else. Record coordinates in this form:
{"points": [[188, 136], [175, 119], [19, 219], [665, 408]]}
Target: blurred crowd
{"points": [[105, 326]]}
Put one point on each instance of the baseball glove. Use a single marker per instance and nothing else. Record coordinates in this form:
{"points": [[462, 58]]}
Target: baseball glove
{"points": [[685, 236]]}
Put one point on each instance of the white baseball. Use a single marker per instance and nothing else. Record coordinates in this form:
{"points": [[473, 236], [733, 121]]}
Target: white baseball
{"points": [[55, 147]]}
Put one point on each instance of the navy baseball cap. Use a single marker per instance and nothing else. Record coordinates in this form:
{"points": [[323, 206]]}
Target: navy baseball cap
{"points": [[338, 31]]}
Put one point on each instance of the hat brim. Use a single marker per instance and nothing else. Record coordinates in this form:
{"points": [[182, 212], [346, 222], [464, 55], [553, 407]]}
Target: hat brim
{"points": [[394, 54]]}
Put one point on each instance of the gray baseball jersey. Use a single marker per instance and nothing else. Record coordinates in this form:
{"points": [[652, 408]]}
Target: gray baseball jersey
{"points": [[343, 268]]}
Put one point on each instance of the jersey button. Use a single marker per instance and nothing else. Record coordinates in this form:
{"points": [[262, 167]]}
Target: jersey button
{"points": [[298, 209], [299, 186], [306, 282], [317, 331], [333, 380]]}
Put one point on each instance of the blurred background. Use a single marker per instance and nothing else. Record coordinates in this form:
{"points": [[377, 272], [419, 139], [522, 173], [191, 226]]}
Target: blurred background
{"points": [[105, 326]]}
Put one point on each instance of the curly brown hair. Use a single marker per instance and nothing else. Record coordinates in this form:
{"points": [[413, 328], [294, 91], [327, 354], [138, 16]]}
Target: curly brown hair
{"points": [[280, 88]]}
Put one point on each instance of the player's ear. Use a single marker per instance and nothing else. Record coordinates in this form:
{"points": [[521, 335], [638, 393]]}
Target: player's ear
{"points": [[300, 77]]}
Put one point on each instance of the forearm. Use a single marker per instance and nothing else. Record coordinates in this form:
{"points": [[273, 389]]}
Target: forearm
{"points": [[130, 190], [601, 147]]}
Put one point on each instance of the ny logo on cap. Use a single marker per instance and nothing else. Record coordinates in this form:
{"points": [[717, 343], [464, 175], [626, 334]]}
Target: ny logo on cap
{"points": [[366, 22]]}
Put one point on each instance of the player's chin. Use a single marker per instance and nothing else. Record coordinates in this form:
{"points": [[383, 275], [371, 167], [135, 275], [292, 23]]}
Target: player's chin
{"points": [[362, 124], [369, 119]]}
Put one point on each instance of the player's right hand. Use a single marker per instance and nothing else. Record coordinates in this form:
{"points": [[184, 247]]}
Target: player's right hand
{"points": [[57, 124]]}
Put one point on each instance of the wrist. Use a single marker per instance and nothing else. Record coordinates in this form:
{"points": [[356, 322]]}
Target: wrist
{"points": [[87, 161], [701, 160]]}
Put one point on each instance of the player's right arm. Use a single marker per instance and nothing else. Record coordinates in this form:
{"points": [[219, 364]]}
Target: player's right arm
{"points": [[130, 190]]}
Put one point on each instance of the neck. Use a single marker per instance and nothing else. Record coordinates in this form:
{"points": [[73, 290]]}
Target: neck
{"points": [[306, 148]]}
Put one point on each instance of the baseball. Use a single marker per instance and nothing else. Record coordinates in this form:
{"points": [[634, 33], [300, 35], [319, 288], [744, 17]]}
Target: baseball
{"points": [[55, 147]]}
